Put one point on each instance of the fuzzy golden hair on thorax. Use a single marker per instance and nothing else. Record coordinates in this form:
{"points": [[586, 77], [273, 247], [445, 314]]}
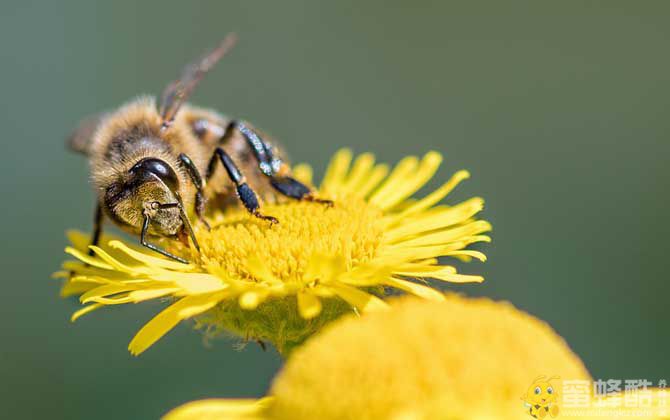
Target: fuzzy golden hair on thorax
{"points": [[126, 127]]}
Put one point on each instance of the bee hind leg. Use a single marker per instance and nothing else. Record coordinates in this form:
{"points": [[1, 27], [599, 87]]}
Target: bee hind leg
{"points": [[293, 188], [272, 167], [244, 191]]}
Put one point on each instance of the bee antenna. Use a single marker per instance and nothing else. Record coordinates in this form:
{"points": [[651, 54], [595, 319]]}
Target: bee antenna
{"points": [[178, 91]]}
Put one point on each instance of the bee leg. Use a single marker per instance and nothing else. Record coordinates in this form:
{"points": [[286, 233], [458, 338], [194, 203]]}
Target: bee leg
{"points": [[143, 241], [244, 191], [272, 167], [293, 188], [200, 199], [97, 228]]}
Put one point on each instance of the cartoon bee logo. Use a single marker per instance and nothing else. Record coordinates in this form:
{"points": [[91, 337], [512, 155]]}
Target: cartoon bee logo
{"points": [[541, 398]]}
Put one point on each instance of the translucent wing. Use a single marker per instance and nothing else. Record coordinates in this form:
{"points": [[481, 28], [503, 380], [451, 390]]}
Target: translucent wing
{"points": [[80, 139], [177, 92]]}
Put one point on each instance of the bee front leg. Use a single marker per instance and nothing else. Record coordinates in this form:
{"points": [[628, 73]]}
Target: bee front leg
{"points": [[200, 199], [145, 243], [97, 228], [244, 191]]}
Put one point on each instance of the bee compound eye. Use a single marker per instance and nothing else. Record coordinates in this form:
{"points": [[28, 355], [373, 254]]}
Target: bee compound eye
{"points": [[159, 168], [538, 390]]}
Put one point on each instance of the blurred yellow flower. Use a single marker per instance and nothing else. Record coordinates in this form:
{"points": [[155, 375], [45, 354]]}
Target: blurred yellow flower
{"points": [[282, 283], [457, 359]]}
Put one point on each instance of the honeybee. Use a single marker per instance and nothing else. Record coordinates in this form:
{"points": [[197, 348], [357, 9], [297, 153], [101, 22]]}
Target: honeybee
{"points": [[153, 166]]}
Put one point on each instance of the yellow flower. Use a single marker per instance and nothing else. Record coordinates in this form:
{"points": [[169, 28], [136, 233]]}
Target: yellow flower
{"points": [[281, 283], [458, 359]]}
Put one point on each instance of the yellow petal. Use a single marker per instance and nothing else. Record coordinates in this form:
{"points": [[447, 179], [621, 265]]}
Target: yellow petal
{"points": [[437, 195], [359, 172], [396, 180], [448, 275], [415, 289], [387, 199], [303, 173], [260, 270], [116, 264], [79, 240], [193, 283], [402, 253], [372, 181], [477, 238], [446, 236], [417, 270], [145, 258], [138, 296], [467, 252], [369, 274], [439, 220], [336, 172], [219, 409], [71, 288], [323, 269], [166, 320], [62, 274], [309, 305], [363, 301], [323, 292], [105, 291], [83, 311], [95, 262], [81, 269], [251, 299]]}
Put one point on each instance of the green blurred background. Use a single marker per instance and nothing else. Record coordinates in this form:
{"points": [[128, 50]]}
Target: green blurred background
{"points": [[559, 110]]}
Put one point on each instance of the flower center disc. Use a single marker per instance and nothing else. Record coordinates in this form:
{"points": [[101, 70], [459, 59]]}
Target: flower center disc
{"points": [[351, 230]]}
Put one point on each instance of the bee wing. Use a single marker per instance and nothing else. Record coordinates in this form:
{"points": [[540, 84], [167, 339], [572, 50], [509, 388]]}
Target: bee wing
{"points": [[81, 138], [176, 93]]}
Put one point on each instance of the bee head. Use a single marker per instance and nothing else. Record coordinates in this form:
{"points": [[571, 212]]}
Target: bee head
{"points": [[150, 188]]}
